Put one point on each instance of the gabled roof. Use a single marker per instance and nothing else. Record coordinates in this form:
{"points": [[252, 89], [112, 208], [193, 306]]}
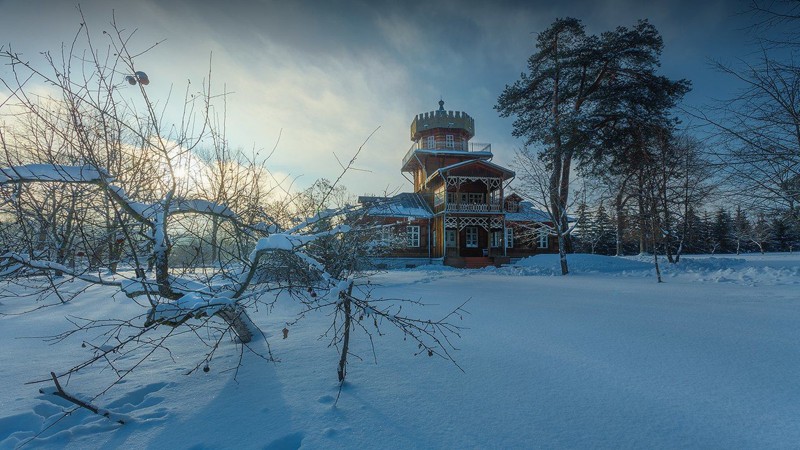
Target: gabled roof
{"points": [[409, 160], [405, 204], [527, 213], [441, 172]]}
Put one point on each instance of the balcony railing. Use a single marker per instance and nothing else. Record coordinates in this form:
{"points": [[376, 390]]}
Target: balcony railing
{"points": [[474, 207], [440, 145]]}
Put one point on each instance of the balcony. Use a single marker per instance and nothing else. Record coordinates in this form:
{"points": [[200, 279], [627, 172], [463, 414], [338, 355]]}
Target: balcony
{"points": [[470, 208], [440, 146]]}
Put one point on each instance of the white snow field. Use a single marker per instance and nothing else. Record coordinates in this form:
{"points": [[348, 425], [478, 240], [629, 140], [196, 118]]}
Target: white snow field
{"points": [[602, 358]]}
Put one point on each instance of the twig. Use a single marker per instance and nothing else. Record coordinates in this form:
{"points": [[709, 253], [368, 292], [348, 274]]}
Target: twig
{"points": [[72, 399]]}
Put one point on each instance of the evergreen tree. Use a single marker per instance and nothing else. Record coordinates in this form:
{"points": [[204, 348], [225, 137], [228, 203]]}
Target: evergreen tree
{"points": [[721, 231], [578, 85], [761, 233], [604, 228], [741, 228], [781, 235], [707, 232], [581, 236], [693, 239]]}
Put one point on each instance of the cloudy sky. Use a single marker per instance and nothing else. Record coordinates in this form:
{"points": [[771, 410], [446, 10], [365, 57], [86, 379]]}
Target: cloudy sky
{"points": [[323, 75]]}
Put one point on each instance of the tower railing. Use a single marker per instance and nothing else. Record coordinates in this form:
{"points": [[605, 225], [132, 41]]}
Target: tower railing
{"points": [[442, 145]]}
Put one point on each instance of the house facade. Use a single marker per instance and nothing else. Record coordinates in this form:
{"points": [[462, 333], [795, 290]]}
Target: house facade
{"points": [[459, 213]]}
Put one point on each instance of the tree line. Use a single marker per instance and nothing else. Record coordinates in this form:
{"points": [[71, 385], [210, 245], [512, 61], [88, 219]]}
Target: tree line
{"points": [[593, 110]]}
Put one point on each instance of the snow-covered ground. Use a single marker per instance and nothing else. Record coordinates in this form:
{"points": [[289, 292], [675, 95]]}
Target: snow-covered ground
{"points": [[605, 357]]}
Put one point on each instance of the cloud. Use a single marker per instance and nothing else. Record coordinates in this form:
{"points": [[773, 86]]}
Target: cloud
{"points": [[324, 75]]}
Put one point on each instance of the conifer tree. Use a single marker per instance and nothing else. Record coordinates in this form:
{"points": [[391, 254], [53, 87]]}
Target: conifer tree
{"points": [[741, 228], [576, 86], [721, 231]]}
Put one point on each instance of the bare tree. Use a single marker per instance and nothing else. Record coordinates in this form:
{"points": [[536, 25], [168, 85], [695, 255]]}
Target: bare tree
{"points": [[143, 203], [534, 181]]}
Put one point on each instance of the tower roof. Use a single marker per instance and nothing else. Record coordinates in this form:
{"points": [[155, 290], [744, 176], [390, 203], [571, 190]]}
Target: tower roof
{"points": [[453, 120]]}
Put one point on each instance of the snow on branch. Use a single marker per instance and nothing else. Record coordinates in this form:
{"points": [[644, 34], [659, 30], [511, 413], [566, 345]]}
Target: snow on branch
{"points": [[188, 306], [290, 242], [51, 172], [16, 261], [144, 211], [320, 216]]}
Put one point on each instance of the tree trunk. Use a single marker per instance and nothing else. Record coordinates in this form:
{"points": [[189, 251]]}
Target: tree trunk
{"points": [[239, 322], [342, 369]]}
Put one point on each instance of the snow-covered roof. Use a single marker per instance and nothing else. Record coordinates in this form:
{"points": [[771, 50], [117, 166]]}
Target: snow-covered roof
{"points": [[406, 204], [445, 169], [527, 213]]}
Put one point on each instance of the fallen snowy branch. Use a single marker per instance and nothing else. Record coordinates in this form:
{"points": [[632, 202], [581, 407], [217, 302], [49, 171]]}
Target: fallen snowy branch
{"points": [[59, 391]]}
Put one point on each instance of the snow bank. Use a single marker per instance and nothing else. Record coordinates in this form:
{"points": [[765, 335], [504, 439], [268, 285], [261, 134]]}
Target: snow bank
{"points": [[781, 270], [750, 270], [578, 263], [549, 362]]}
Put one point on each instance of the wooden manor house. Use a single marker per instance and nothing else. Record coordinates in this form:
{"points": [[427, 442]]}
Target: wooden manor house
{"points": [[458, 214]]}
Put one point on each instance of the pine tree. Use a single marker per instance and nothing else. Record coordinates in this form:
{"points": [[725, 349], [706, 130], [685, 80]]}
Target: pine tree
{"points": [[761, 232], [604, 228], [721, 231], [581, 236], [577, 89], [741, 228], [710, 245], [693, 234], [781, 234]]}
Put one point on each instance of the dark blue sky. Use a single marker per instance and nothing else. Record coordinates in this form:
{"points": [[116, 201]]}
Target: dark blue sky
{"points": [[325, 74]]}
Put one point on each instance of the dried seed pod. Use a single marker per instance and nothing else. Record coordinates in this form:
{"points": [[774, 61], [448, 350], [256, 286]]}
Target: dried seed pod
{"points": [[142, 77]]}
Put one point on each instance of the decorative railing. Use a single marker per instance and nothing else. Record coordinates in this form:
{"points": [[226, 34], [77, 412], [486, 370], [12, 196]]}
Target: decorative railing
{"points": [[474, 207], [440, 145]]}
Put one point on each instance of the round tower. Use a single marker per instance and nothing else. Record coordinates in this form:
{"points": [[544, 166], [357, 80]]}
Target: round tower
{"points": [[442, 130]]}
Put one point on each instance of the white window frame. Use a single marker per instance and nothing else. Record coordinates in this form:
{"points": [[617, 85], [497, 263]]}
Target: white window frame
{"points": [[449, 141], [544, 239], [439, 196], [496, 239], [450, 238], [431, 143], [471, 237], [412, 236], [509, 238], [451, 198]]}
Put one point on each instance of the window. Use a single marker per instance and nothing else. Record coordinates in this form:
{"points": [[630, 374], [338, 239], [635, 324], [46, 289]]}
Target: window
{"points": [[451, 197], [496, 235], [512, 206], [412, 235], [438, 196], [472, 237], [544, 241], [450, 238], [431, 142], [476, 197], [386, 234], [509, 238], [449, 142]]}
